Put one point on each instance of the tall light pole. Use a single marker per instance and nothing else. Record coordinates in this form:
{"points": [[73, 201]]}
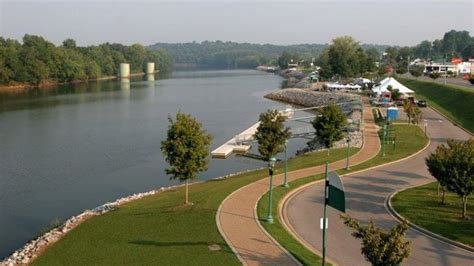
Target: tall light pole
{"points": [[348, 149], [271, 166], [285, 183], [326, 187], [383, 139]]}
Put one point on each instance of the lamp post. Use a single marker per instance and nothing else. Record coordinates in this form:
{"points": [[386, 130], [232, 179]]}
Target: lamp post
{"points": [[348, 148], [383, 139], [285, 183], [271, 165]]}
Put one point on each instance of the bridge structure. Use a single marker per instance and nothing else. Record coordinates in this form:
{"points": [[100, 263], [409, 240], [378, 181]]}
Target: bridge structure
{"points": [[242, 143]]}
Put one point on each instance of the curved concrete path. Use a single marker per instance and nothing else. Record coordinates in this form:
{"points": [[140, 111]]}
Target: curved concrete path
{"points": [[366, 193], [237, 219]]}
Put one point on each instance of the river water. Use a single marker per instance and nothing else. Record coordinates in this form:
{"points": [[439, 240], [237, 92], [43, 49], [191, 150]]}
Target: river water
{"points": [[74, 147]]}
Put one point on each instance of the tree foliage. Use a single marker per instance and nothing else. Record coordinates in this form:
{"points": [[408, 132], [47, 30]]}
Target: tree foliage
{"points": [[417, 70], [186, 148], [453, 166], [271, 134], [381, 247], [412, 111], [37, 60], [437, 168], [330, 125]]}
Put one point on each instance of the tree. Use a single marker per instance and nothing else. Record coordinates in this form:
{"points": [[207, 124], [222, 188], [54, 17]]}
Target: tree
{"points": [[271, 134], [460, 170], [417, 70], [434, 75], [381, 247], [412, 111], [437, 167], [330, 125], [346, 56], [396, 94], [186, 148]]}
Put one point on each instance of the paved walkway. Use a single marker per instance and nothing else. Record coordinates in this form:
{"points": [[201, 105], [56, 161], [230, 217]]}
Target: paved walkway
{"points": [[237, 216], [366, 193]]}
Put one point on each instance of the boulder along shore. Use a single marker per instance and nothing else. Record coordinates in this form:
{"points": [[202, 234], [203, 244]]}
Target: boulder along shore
{"points": [[309, 98]]}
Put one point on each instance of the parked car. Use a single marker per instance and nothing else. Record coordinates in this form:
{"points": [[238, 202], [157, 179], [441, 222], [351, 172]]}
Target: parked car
{"points": [[422, 103]]}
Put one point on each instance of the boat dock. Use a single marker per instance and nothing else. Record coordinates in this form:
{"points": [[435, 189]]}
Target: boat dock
{"points": [[241, 143]]}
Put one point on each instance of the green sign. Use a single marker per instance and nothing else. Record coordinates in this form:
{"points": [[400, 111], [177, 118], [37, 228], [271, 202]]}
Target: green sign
{"points": [[336, 194]]}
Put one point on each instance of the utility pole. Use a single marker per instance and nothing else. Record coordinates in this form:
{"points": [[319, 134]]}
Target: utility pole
{"points": [[326, 187]]}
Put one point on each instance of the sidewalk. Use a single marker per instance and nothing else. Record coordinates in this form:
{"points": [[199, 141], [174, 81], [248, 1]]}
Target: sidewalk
{"points": [[237, 218]]}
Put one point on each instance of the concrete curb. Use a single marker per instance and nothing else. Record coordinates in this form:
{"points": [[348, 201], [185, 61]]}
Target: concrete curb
{"points": [[450, 120], [227, 240], [255, 215], [284, 202], [399, 217]]}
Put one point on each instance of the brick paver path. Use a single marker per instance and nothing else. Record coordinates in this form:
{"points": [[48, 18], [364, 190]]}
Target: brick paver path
{"points": [[237, 216]]}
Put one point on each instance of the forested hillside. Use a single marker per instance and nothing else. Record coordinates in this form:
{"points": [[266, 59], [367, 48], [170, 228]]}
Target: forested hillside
{"points": [[36, 60], [218, 54]]}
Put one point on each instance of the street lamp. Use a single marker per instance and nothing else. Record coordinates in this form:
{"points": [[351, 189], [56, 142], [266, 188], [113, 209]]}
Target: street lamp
{"points": [[348, 148], [271, 166], [384, 139], [285, 183]]}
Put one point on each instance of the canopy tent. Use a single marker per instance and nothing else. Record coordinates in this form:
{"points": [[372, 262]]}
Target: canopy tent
{"points": [[342, 86], [389, 81]]}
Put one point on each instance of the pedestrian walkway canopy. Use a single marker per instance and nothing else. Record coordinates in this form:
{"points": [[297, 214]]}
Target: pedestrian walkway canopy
{"points": [[389, 81]]}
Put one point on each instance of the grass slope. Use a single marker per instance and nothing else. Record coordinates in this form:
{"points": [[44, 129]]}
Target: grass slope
{"points": [[159, 230], [422, 206], [455, 102], [410, 140]]}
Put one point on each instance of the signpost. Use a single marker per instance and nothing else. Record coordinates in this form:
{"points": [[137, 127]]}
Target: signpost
{"points": [[334, 196]]}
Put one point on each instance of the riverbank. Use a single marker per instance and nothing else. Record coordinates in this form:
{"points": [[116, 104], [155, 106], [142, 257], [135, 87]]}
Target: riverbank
{"points": [[21, 87]]}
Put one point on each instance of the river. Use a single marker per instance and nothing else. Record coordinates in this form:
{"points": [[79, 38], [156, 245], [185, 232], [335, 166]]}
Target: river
{"points": [[74, 147]]}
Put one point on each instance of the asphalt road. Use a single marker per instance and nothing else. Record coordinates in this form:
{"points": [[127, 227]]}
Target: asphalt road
{"points": [[454, 81], [365, 196]]}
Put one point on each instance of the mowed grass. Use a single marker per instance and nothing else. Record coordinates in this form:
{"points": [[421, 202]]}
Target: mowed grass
{"points": [[422, 206], [455, 102], [410, 139], [160, 230]]}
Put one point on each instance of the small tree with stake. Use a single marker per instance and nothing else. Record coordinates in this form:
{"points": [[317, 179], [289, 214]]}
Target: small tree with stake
{"points": [[381, 247], [186, 148], [437, 167], [330, 125]]}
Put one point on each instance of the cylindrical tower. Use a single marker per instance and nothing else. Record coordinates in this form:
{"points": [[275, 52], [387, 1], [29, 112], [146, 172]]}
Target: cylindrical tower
{"points": [[124, 70], [150, 68]]}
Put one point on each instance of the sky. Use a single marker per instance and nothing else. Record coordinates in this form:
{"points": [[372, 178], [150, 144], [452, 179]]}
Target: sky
{"points": [[393, 22]]}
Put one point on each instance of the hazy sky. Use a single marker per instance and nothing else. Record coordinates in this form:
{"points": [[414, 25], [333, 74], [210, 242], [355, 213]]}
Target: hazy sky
{"points": [[401, 22]]}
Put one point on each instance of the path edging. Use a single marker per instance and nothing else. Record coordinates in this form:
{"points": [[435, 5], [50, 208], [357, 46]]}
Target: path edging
{"points": [[283, 203], [219, 227], [255, 215], [401, 218]]}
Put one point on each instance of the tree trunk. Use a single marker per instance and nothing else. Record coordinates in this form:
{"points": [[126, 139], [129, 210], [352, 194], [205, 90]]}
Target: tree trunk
{"points": [[186, 185], [329, 149], [464, 207]]}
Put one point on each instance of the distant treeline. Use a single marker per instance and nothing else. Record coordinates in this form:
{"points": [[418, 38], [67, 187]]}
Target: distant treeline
{"points": [[36, 60], [220, 54]]}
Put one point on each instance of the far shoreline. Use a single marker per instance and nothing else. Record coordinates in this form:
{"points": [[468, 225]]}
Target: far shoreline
{"points": [[23, 87]]}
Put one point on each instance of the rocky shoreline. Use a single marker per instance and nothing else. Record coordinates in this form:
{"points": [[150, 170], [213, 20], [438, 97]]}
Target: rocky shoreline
{"points": [[31, 250], [309, 98]]}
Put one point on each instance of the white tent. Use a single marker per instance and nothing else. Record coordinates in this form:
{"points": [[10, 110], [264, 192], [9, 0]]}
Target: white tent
{"points": [[389, 81]]}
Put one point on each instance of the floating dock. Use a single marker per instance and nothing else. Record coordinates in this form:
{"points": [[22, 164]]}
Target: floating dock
{"points": [[241, 143]]}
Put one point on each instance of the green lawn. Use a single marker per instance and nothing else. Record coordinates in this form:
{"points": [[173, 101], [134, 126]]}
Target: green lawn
{"points": [[159, 230], [422, 206], [410, 140], [455, 102]]}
